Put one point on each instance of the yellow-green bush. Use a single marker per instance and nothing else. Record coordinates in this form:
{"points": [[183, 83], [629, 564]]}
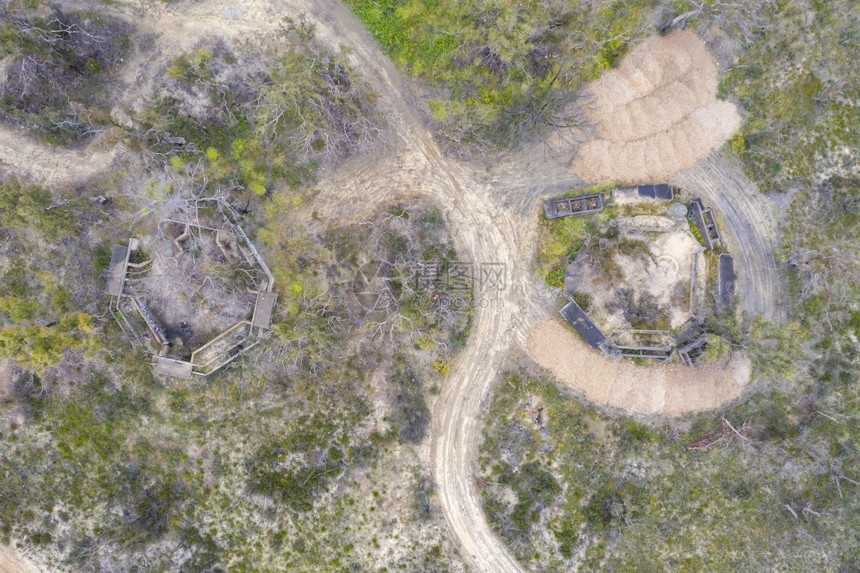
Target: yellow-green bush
{"points": [[558, 242]]}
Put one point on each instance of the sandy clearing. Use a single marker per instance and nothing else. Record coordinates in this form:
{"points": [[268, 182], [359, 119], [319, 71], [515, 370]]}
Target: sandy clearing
{"points": [[11, 561], [692, 139], [656, 389], [663, 91], [660, 274], [24, 157]]}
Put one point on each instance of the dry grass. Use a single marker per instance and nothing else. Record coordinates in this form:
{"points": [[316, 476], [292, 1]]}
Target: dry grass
{"points": [[656, 114]]}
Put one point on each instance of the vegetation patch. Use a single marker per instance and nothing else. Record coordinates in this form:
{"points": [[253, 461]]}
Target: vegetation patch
{"points": [[568, 486], [508, 69], [798, 89], [260, 115], [61, 66], [269, 463]]}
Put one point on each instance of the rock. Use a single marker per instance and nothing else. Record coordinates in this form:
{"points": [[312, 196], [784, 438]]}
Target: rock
{"points": [[677, 211]]}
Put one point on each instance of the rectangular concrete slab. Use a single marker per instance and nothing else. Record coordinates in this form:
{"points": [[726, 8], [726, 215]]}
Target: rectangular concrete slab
{"points": [[664, 192], [173, 368], [660, 191], [583, 325], [726, 280], [116, 271], [263, 310]]}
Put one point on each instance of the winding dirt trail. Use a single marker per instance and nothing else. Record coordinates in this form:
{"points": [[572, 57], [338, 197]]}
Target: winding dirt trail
{"points": [[21, 155], [490, 211]]}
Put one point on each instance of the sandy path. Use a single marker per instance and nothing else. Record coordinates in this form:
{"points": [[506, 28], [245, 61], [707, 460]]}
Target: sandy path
{"points": [[13, 562], [621, 384], [748, 225], [490, 213], [483, 236], [45, 165]]}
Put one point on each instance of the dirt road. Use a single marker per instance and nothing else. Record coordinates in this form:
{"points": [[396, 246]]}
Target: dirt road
{"points": [[749, 228], [490, 211], [49, 166], [485, 237]]}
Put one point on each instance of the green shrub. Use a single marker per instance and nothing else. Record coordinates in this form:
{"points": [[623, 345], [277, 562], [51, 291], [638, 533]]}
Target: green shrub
{"points": [[509, 68], [296, 489], [273, 112], [23, 207], [637, 486], [559, 242], [696, 231], [633, 434]]}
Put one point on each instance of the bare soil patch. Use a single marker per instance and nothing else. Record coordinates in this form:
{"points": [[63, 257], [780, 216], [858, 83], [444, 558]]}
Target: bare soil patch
{"points": [[7, 378], [642, 279], [12, 562], [23, 157], [656, 114], [659, 388]]}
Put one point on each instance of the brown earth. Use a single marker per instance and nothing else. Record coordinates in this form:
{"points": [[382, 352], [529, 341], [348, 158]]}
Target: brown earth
{"points": [[660, 271], [656, 114], [50, 166], [7, 378], [655, 389], [11, 561]]}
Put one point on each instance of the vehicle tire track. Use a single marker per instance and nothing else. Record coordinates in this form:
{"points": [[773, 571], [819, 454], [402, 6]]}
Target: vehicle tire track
{"points": [[749, 229]]}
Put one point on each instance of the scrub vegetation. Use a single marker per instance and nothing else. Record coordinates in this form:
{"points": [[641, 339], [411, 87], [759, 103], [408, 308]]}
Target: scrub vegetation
{"points": [[505, 70], [297, 446], [260, 115], [793, 77], [59, 70], [304, 454], [769, 483], [309, 453]]}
